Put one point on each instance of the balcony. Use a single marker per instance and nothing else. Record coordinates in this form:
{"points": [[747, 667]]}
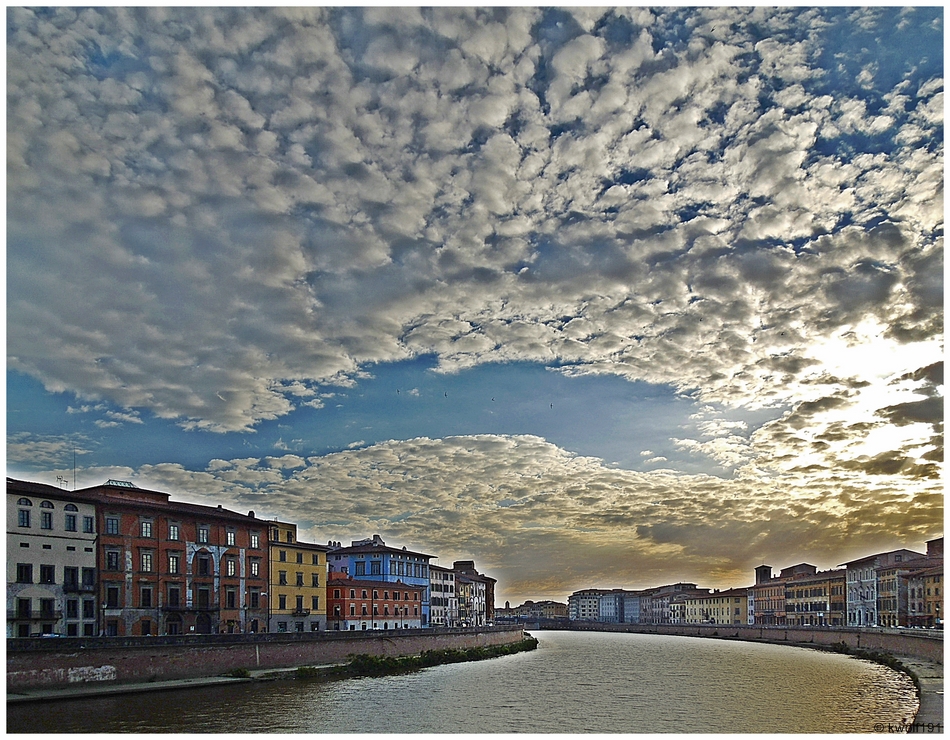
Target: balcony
{"points": [[301, 612], [79, 588]]}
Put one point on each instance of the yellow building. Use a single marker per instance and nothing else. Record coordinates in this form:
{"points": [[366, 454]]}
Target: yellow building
{"points": [[298, 582], [719, 607]]}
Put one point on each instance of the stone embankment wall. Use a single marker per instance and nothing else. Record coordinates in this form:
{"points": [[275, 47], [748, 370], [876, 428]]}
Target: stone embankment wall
{"points": [[67, 661], [917, 643]]}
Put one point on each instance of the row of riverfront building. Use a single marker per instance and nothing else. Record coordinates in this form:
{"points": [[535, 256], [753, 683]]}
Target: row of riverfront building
{"points": [[900, 588], [119, 560]]}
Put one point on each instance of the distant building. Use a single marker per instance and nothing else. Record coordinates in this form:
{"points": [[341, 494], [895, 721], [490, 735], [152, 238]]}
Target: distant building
{"points": [[816, 599], [476, 595], [767, 598], [718, 607], [443, 601], [364, 604], [51, 562], [534, 610], [372, 559], [298, 581], [863, 586]]}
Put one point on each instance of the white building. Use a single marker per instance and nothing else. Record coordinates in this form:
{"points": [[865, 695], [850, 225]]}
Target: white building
{"points": [[443, 604], [51, 562], [862, 585]]}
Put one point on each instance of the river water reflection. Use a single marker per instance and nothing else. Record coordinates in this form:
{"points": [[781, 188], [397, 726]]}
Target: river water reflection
{"points": [[575, 682]]}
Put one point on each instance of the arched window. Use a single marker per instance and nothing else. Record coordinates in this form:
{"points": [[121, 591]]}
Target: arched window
{"points": [[24, 502], [47, 505], [71, 507]]}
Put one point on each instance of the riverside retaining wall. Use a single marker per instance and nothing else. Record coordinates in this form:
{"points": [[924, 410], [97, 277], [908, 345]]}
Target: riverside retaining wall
{"points": [[57, 662], [919, 644]]}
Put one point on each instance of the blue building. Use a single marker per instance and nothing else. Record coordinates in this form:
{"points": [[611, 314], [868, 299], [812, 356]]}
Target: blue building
{"points": [[373, 560]]}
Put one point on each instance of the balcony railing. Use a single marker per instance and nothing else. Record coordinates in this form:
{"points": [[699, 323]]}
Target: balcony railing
{"points": [[301, 612]]}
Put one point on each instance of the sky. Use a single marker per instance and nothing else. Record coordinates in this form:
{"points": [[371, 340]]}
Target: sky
{"points": [[597, 297]]}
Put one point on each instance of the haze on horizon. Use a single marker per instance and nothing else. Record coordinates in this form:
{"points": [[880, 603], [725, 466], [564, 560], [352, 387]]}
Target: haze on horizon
{"points": [[595, 297]]}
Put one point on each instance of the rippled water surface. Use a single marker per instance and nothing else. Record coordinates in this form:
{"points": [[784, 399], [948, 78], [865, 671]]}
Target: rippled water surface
{"points": [[574, 682]]}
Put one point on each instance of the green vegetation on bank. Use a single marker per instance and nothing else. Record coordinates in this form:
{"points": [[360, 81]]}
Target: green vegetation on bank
{"points": [[383, 665]]}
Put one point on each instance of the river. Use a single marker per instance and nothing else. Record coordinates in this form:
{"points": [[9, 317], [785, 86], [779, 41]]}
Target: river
{"points": [[575, 682]]}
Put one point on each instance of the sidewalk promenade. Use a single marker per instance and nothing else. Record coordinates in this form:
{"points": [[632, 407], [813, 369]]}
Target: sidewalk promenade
{"points": [[92, 690]]}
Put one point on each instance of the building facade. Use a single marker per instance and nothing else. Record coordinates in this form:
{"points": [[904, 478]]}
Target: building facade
{"points": [[816, 600], [925, 598], [372, 559], [175, 568], [443, 601], [767, 598], [718, 607], [51, 562], [298, 581], [863, 587], [364, 604]]}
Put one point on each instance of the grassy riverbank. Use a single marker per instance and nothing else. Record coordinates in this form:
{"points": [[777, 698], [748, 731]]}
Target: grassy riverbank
{"points": [[384, 665]]}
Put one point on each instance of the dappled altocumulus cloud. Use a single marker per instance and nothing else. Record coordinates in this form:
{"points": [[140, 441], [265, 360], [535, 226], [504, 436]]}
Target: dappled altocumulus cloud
{"points": [[250, 204], [545, 521], [216, 215]]}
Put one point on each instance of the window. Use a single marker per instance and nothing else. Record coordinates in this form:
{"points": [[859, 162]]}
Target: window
{"points": [[70, 522], [146, 601], [173, 532], [255, 567], [204, 565], [353, 610], [299, 604], [230, 565], [174, 563], [374, 568], [299, 579], [112, 597], [112, 559], [24, 573], [315, 580], [230, 537], [363, 595], [72, 609], [24, 502], [290, 536], [300, 558], [255, 599], [88, 609], [203, 533], [112, 525], [46, 519], [315, 559], [353, 593], [70, 577], [386, 595], [88, 525], [146, 562], [282, 578], [146, 626], [174, 596], [23, 518], [47, 610], [361, 568], [275, 534], [298, 626], [230, 599], [282, 601], [282, 556], [88, 577], [145, 528], [255, 540], [24, 610], [314, 602], [375, 594]]}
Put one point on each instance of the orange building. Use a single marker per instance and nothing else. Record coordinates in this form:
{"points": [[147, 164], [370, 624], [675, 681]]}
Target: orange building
{"points": [[369, 605], [169, 568]]}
